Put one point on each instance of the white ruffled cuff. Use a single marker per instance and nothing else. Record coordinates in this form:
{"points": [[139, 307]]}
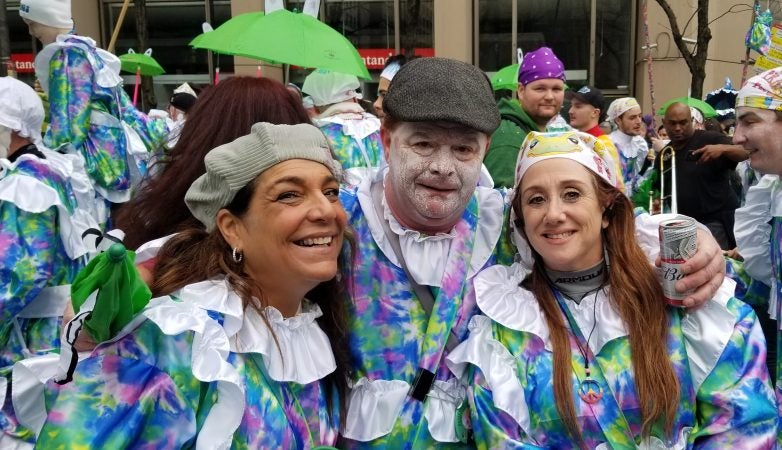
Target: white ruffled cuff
{"points": [[373, 408], [498, 367], [440, 409]]}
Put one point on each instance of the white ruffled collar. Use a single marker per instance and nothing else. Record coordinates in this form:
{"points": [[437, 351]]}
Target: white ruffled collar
{"points": [[304, 353], [629, 146], [501, 298], [354, 120], [431, 251], [107, 74]]}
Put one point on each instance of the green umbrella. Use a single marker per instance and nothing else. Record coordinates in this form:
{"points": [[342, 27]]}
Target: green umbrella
{"points": [[142, 63], [121, 292], [286, 37], [706, 109], [506, 78]]}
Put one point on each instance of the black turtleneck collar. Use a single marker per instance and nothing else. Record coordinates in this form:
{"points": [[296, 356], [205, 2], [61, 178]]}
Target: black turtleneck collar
{"points": [[577, 284]]}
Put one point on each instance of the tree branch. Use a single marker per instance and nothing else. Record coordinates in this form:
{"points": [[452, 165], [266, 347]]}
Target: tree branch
{"points": [[677, 35]]}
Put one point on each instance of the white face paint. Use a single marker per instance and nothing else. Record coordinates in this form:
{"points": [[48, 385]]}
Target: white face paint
{"points": [[433, 171], [5, 141]]}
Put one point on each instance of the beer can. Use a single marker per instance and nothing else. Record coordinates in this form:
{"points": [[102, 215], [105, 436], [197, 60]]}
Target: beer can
{"points": [[678, 243]]}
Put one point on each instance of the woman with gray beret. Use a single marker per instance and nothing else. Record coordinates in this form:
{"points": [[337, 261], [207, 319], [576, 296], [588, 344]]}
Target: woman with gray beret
{"points": [[245, 345]]}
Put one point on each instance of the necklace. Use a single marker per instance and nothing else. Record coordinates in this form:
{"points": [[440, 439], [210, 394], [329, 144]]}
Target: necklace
{"points": [[578, 285], [589, 390]]}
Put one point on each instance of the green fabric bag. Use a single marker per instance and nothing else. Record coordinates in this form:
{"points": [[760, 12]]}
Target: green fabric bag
{"points": [[121, 292]]}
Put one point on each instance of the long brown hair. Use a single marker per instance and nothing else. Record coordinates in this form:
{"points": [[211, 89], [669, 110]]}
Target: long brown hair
{"points": [[221, 114], [195, 255], [637, 296]]}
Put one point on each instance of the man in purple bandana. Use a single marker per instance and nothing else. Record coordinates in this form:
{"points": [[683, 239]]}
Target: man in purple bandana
{"points": [[541, 92]]}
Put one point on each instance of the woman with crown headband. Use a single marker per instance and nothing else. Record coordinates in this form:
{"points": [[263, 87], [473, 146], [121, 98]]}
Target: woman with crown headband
{"points": [[589, 324]]}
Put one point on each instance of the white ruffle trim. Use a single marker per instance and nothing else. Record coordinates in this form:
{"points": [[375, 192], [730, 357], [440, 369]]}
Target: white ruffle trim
{"points": [[107, 76], [498, 367], [373, 408], [707, 331], [431, 251], [440, 409], [753, 230], [149, 250], [499, 296], [301, 356], [34, 196]]}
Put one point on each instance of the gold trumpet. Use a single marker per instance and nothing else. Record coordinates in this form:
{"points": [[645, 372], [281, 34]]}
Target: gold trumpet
{"points": [[668, 150]]}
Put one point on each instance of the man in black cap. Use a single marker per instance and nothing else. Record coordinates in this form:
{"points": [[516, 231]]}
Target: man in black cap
{"points": [[425, 226], [178, 106], [587, 112]]}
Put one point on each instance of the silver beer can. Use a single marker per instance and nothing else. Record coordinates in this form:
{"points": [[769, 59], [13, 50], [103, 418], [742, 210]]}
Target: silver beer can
{"points": [[678, 243]]}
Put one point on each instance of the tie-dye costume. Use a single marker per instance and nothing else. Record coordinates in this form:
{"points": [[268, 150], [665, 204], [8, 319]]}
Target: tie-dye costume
{"points": [[632, 151], [89, 109], [199, 370], [41, 221], [354, 138], [388, 323], [717, 350], [758, 232]]}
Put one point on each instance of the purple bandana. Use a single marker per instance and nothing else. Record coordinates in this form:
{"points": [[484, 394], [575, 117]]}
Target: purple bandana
{"points": [[540, 64]]}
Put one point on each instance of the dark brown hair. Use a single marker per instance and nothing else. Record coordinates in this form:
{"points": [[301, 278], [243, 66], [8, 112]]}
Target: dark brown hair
{"points": [[222, 113], [637, 297], [195, 255]]}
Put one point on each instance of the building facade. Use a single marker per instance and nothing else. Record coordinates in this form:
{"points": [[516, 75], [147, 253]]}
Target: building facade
{"points": [[602, 42]]}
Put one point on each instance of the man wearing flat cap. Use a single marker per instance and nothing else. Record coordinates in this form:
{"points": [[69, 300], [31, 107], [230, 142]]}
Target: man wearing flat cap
{"points": [[425, 227]]}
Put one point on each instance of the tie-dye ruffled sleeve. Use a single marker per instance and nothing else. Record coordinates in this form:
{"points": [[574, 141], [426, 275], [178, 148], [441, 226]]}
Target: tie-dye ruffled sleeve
{"points": [[29, 246], [70, 92], [153, 132], [121, 398], [736, 407]]}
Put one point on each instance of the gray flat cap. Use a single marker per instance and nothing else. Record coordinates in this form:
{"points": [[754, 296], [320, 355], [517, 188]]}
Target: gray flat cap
{"points": [[442, 89], [232, 166]]}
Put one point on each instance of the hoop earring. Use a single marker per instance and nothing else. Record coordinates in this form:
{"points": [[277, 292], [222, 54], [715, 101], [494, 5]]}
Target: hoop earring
{"points": [[237, 255]]}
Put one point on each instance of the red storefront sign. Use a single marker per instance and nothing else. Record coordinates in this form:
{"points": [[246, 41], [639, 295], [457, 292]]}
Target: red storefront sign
{"points": [[23, 62], [375, 58]]}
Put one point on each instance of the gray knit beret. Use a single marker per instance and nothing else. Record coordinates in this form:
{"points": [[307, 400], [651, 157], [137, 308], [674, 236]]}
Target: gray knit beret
{"points": [[442, 89], [232, 166]]}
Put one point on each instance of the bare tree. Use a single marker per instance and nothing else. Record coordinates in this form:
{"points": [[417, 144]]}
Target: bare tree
{"points": [[148, 99], [695, 59], [5, 42]]}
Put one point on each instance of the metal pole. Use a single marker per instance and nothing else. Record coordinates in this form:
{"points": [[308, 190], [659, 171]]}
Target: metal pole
{"points": [[210, 59], [397, 27], [118, 25], [5, 42]]}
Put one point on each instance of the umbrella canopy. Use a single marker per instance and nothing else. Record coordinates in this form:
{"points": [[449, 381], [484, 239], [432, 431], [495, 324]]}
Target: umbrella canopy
{"points": [[506, 78], [700, 105], [132, 61], [222, 38], [286, 37]]}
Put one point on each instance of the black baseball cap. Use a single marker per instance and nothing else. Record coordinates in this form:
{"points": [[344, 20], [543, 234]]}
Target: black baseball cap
{"points": [[592, 96]]}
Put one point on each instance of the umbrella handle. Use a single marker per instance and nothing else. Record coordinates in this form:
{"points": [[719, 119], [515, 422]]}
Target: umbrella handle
{"points": [[217, 75], [135, 88], [258, 72]]}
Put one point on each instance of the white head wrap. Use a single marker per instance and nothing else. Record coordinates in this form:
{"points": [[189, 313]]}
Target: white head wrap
{"points": [[52, 13], [390, 70], [327, 87], [583, 148], [621, 106], [21, 109], [762, 91]]}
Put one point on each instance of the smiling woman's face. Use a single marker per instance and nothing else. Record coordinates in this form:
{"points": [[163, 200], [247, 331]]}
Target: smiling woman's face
{"points": [[292, 232], [563, 219]]}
